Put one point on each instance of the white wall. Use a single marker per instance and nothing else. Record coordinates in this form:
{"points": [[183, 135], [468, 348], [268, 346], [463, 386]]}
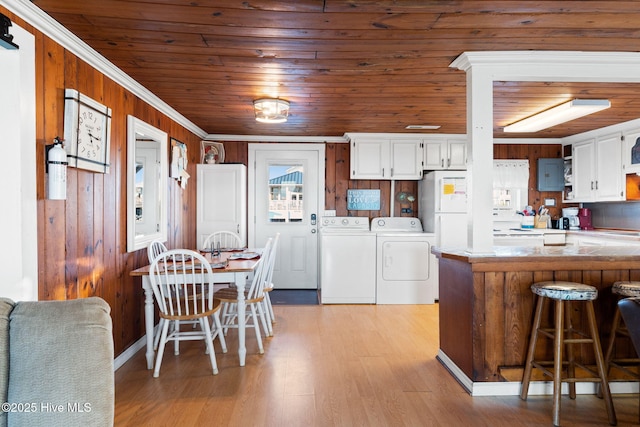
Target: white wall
{"points": [[18, 213]]}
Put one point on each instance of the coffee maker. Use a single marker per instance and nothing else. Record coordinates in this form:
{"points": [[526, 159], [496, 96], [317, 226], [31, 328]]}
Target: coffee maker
{"points": [[584, 216], [570, 219]]}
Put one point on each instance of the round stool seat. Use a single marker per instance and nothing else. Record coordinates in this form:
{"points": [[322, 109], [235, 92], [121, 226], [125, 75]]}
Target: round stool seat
{"points": [[626, 288], [567, 291]]}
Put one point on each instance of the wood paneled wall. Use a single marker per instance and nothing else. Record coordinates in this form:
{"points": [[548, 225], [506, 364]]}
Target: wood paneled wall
{"points": [[533, 152], [82, 247], [82, 241], [337, 180]]}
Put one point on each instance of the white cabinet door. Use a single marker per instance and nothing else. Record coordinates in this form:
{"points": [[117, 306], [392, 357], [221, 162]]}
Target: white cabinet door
{"points": [[221, 200], [583, 171], [609, 180], [445, 153], [377, 158], [406, 158], [597, 169], [434, 154], [370, 159], [457, 154]]}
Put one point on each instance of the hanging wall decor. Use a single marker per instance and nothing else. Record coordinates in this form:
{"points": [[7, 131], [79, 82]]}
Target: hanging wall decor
{"points": [[87, 129], [211, 153], [178, 169]]}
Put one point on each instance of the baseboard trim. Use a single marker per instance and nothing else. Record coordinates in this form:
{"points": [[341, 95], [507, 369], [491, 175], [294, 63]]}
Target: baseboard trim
{"points": [[536, 388], [131, 351]]}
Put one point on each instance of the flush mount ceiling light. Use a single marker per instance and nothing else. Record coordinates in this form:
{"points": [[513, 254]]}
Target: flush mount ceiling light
{"points": [[559, 114], [271, 110]]}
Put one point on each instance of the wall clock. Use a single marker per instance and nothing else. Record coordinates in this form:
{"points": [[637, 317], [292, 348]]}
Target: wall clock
{"points": [[87, 130]]}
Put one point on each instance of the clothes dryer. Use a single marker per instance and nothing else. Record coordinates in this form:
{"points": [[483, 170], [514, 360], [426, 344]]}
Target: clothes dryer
{"points": [[404, 263]]}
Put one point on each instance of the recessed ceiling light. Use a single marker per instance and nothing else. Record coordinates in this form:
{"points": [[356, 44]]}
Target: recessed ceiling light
{"points": [[422, 127]]}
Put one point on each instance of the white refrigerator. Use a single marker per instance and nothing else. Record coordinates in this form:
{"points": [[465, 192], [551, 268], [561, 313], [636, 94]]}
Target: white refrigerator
{"points": [[442, 203]]}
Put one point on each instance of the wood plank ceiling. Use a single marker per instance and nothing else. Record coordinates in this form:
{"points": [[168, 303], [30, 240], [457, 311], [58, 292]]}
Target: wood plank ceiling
{"points": [[349, 66]]}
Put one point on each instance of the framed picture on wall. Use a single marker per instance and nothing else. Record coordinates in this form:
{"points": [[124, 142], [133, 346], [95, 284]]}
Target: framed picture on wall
{"points": [[212, 153]]}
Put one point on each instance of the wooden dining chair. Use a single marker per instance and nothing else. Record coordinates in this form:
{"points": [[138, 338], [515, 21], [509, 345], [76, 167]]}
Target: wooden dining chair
{"points": [[253, 299], [182, 284], [268, 285], [222, 240], [154, 249]]}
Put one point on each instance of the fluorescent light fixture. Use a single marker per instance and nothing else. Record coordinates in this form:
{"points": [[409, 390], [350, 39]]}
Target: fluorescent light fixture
{"points": [[271, 110], [559, 114], [423, 127]]}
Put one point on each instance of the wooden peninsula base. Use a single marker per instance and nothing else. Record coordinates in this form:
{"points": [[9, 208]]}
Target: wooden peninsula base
{"points": [[486, 309]]}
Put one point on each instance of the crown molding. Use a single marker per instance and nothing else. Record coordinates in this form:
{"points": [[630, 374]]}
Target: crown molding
{"points": [[565, 66], [510, 58], [61, 35], [274, 138]]}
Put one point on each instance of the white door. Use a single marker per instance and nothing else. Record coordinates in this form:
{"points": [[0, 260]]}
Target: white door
{"points": [[286, 196], [222, 200]]}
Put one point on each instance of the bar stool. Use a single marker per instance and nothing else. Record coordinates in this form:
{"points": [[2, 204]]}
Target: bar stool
{"points": [[624, 289], [563, 334]]}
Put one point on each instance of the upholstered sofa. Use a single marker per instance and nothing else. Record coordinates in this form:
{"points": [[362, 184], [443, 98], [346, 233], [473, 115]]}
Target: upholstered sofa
{"points": [[56, 363]]}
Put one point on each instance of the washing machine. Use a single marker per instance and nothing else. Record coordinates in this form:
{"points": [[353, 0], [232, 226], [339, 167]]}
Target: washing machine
{"points": [[404, 262], [347, 261]]}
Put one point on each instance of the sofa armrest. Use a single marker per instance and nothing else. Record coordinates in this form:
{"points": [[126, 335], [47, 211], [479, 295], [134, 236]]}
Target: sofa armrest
{"points": [[6, 306], [61, 362]]}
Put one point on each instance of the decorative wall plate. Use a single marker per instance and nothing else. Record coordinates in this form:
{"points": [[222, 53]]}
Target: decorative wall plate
{"points": [[212, 153]]}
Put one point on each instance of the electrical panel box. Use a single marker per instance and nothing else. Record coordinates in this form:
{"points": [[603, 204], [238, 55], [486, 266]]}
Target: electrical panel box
{"points": [[551, 174]]}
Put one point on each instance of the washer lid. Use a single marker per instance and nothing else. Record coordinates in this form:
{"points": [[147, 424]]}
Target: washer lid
{"points": [[396, 224]]}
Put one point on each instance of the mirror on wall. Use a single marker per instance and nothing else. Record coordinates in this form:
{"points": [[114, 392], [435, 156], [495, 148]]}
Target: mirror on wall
{"points": [[147, 174]]}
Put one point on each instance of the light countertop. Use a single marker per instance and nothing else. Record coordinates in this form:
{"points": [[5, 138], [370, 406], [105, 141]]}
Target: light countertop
{"points": [[556, 253], [527, 231]]}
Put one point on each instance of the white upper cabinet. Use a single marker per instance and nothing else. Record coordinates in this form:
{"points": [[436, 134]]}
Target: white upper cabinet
{"points": [[597, 169], [631, 151], [384, 158], [406, 159], [583, 169], [445, 153]]}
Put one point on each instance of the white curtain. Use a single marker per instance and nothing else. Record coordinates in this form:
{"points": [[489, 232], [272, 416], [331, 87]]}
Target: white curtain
{"points": [[510, 174]]}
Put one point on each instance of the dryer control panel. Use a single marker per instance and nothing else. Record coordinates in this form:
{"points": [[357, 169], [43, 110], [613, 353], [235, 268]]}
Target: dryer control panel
{"points": [[397, 224]]}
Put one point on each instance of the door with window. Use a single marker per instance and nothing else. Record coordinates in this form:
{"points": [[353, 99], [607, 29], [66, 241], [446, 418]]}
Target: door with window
{"points": [[286, 194]]}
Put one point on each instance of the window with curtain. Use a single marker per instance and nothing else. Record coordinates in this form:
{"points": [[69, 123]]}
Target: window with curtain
{"points": [[510, 184]]}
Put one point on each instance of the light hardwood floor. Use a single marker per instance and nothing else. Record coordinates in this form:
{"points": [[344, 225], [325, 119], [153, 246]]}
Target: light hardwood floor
{"points": [[333, 366]]}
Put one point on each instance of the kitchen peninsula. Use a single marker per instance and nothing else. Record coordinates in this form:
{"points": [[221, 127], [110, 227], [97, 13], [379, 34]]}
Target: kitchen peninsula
{"points": [[486, 305]]}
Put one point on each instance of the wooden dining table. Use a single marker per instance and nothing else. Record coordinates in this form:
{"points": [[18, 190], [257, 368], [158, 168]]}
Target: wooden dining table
{"points": [[236, 271]]}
